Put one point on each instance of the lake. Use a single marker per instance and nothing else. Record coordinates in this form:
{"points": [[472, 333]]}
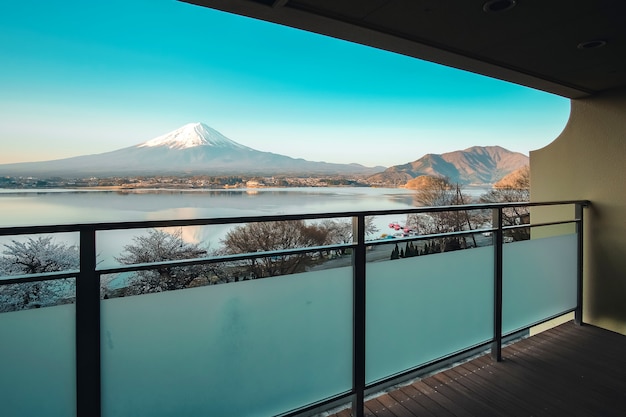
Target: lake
{"points": [[50, 207]]}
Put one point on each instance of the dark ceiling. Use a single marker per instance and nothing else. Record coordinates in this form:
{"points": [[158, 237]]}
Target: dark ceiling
{"points": [[573, 48]]}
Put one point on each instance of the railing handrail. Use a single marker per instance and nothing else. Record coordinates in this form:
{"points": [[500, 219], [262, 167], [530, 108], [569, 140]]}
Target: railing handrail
{"points": [[208, 221], [125, 225], [48, 276]]}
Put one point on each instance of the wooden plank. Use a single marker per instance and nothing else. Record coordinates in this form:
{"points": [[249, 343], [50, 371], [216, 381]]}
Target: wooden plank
{"points": [[427, 401], [376, 408], [554, 383], [592, 353], [398, 409], [572, 375], [411, 403], [492, 398], [516, 378], [447, 401], [460, 395], [482, 381], [571, 364], [596, 342], [450, 404]]}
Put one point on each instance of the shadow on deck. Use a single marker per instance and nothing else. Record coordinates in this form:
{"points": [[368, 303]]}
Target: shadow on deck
{"points": [[566, 371]]}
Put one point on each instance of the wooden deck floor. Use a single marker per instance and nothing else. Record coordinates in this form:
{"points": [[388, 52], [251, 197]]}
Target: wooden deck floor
{"points": [[573, 371]]}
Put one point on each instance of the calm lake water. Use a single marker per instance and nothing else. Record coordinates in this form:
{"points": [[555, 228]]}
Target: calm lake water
{"points": [[64, 206], [49, 207]]}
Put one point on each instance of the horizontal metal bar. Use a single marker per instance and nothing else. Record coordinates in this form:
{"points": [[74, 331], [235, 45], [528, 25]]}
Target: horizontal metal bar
{"points": [[224, 258], [319, 406], [34, 230], [462, 233], [43, 276], [556, 223], [538, 322], [424, 237]]}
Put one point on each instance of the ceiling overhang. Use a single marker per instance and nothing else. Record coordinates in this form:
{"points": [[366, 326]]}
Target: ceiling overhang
{"points": [[539, 44]]}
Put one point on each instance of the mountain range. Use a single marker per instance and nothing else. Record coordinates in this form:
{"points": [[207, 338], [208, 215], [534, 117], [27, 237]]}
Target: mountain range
{"points": [[201, 150], [192, 149], [478, 165]]}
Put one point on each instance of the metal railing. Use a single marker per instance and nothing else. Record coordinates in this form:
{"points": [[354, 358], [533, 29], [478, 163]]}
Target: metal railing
{"points": [[88, 296]]}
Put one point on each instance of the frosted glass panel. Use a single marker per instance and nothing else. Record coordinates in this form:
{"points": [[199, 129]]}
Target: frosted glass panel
{"points": [[253, 348], [538, 280], [37, 362], [426, 307]]}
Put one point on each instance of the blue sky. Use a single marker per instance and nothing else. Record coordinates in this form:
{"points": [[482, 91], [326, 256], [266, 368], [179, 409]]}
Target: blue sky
{"points": [[81, 77]]}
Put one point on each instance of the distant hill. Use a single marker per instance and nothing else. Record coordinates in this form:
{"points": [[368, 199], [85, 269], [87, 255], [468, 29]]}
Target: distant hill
{"points": [[476, 165], [519, 179], [192, 149], [422, 182]]}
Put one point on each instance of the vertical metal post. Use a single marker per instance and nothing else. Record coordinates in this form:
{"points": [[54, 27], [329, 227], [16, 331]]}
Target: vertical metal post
{"points": [[358, 335], [496, 345], [88, 329], [578, 313]]}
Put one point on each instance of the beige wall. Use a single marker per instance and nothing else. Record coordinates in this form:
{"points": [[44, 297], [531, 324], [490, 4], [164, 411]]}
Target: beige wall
{"points": [[588, 161]]}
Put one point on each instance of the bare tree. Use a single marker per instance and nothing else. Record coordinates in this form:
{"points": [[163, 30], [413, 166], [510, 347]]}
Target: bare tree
{"points": [[31, 257], [512, 189], [275, 236], [341, 231], [158, 246], [436, 192]]}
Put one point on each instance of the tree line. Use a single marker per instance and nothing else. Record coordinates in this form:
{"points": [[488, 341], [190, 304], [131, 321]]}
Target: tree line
{"points": [[437, 191]]}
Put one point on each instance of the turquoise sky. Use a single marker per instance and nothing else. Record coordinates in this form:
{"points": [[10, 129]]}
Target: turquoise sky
{"points": [[80, 77]]}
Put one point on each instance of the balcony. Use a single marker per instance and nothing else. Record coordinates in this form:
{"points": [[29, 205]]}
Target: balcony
{"points": [[568, 370], [313, 341]]}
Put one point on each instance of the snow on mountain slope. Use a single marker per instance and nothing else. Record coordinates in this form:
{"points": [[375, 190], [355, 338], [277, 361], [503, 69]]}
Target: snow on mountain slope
{"points": [[192, 135]]}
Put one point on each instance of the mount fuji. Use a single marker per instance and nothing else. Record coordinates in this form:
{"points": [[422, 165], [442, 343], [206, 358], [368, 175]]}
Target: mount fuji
{"points": [[192, 135], [192, 149]]}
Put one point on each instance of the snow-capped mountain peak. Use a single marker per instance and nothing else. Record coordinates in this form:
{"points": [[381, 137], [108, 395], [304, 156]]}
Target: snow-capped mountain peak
{"points": [[190, 136]]}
